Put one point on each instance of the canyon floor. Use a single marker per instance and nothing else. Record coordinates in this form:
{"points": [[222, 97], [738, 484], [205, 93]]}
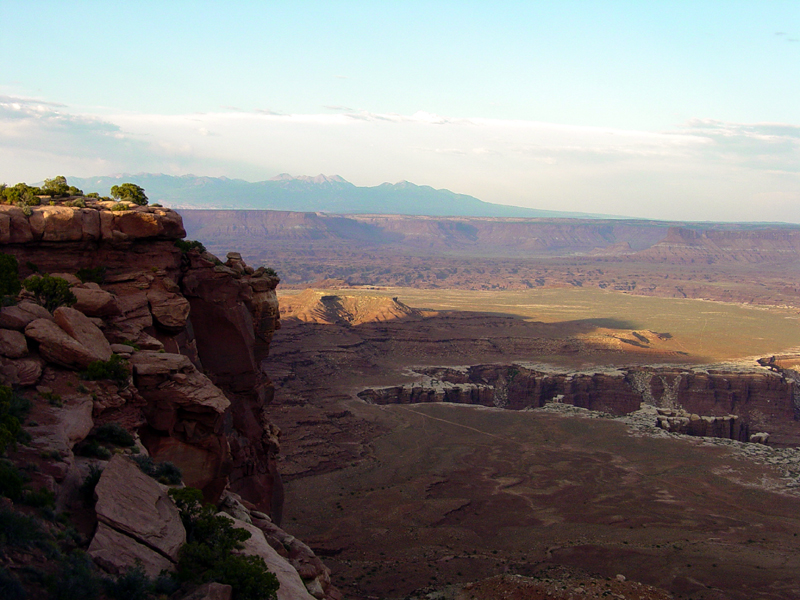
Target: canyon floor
{"points": [[407, 499]]}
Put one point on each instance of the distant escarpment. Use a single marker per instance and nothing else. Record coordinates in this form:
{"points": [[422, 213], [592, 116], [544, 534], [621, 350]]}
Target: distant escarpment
{"points": [[602, 239], [683, 245], [160, 343], [737, 404]]}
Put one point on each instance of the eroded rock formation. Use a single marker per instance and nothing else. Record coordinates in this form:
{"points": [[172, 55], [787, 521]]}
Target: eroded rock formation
{"points": [[194, 331], [698, 401]]}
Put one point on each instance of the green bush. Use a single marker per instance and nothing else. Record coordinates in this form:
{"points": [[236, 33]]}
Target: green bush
{"points": [[92, 449], [18, 530], [208, 553], [186, 245], [115, 368], [44, 498], [75, 580], [77, 203], [114, 433], [89, 483], [55, 187], [165, 472], [11, 481], [119, 207], [21, 195], [52, 398], [10, 587], [270, 271], [130, 192], [51, 292], [13, 409], [9, 275], [92, 275], [131, 585], [93, 195]]}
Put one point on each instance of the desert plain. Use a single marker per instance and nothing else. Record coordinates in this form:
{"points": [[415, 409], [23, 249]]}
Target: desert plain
{"points": [[444, 500]]}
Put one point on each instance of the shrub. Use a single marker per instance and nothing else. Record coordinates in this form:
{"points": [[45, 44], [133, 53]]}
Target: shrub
{"points": [[92, 449], [129, 191], [119, 207], [22, 195], [248, 575], [75, 579], [51, 292], [131, 585], [9, 275], [93, 195], [57, 186], [13, 409], [114, 433], [186, 245], [93, 274], [89, 483], [11, 481], [270, 271], [18, 530], [115, 369], [52, 398], [165, 472], [44, 498], [10, 587], [207, 555], [77, 203]]}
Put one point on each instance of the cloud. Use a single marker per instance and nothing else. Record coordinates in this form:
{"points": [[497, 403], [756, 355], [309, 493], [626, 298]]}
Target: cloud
{"points": [[773, 146], [703, 169]]}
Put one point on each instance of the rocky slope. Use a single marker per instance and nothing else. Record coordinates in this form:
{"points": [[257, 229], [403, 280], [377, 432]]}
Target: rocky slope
{"points": [[193, 331]]}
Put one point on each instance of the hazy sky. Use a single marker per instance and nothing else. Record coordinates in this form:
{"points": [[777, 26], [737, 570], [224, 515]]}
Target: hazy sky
{"points": [[672, 110]]}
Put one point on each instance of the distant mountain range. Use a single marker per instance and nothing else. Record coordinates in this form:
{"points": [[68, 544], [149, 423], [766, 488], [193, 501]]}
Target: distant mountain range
{"points": [[328, 194]]}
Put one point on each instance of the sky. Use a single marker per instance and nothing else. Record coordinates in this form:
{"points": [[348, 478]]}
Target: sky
{"points": [[677, 110]]}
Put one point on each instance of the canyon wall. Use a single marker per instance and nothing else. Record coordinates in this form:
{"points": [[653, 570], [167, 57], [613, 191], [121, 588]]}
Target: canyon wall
{"points": [[191, 332], [733, 404]]}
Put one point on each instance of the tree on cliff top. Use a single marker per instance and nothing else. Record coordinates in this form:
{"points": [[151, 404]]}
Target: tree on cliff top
{"points": [[57, 186], [130, 192]]}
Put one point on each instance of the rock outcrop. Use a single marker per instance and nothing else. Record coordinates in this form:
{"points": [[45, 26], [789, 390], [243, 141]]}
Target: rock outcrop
{"points": [[699, 401], [192, 331], [137, 521]]}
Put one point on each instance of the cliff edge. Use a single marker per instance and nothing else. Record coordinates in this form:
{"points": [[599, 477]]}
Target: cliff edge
{"points": [[179, 337]]}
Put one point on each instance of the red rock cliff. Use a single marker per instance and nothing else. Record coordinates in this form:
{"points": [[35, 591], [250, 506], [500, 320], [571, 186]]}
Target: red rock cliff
{"points": [[193, 318]]}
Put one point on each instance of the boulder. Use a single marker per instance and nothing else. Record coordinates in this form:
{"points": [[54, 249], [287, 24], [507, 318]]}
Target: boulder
{"points": [[21, 371], [68, 277], [292, 587], [12, 343], [122, 349], [17, 317], [116, 552], [58, 429], [16, 229], [169, 310], [64, 224], [137, 506], [95, 302], [80, 328], [173, 379], [55, 345]]}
